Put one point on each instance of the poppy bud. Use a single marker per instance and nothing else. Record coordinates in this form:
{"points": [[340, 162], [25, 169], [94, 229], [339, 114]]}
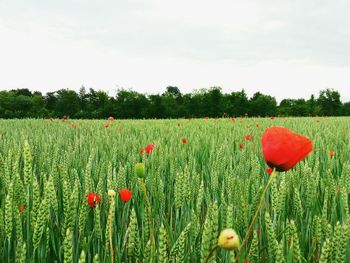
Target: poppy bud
{"points": [[125, 195], [269, 170], [140, 170], [228, 239]]}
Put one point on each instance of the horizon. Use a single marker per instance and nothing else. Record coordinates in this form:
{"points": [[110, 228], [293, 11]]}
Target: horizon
{"points": [[283, 49], [183, 93]]}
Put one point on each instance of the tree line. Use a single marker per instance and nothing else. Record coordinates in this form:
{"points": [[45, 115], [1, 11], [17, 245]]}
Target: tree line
{"points": [[128, 104]]}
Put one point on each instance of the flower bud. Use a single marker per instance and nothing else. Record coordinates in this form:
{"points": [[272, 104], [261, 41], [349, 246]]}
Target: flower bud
{"points": [[140, 170], [228, 239]]}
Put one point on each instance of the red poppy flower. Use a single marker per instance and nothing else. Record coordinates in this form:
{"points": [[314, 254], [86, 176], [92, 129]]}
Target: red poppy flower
{"points": [[65, 117], [110, 118], [282, 149], [92, 199], [125, 195], [149, 148], [248, 137], [107, 125], [269, 170], [51, 119], [241, 145], [21, 207], [184, 140], [331, 153]]}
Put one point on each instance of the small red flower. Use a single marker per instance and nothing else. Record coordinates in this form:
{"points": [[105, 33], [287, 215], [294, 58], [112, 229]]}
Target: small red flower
{"points": [[51, 119], [92, 199], [21, 207], [184, 140], [65, 117], [149, 148], [331, 153], [269, 170], [241, 145], [283, 149], [110, 118], [246, 114], [248, 137], [125, 195], [107, 125]]}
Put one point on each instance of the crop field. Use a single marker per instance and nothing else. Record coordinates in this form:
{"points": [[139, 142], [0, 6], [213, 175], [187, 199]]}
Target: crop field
{"points": [[76, 191]]}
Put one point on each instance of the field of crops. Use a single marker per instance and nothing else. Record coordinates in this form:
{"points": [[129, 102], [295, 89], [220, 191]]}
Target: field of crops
{"points": [[201, 176]]}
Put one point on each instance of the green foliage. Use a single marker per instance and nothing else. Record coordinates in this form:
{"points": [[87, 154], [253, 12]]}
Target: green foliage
{"points": [[129, 104]]}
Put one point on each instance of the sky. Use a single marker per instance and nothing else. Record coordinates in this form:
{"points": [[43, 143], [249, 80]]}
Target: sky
{"points": [[287, 49]]}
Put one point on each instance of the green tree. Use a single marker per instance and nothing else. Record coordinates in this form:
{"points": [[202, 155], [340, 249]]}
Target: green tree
{"points": [[237, 103], [263, 105], [329, 101], [68, 103]]}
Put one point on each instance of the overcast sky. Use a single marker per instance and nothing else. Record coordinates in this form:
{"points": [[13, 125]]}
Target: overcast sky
{"points": [[288, 49]]}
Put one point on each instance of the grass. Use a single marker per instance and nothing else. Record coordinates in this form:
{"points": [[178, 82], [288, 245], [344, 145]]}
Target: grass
{"points": [[196, 189]]}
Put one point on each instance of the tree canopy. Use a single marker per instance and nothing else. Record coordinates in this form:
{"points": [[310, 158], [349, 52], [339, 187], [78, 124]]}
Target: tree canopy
{"points": [[129, 104]]}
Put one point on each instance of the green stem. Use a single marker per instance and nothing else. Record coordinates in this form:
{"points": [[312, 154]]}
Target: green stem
{"points": [[149, 211], [251, 227], [110, 222], [211, 253]]}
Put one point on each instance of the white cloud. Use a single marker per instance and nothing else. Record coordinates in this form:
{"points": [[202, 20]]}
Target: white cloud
{"points": [[277, 47]]}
